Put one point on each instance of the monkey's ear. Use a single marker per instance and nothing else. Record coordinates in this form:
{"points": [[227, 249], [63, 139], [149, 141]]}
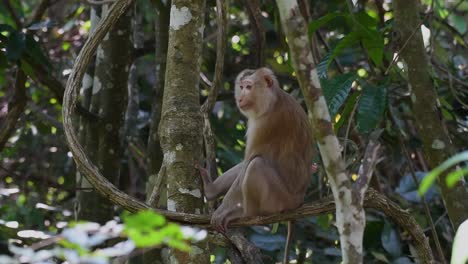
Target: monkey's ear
{"points": [[269, 81]]}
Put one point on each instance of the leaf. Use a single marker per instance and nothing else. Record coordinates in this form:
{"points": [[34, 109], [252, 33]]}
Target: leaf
{"points": [[432, 176], [35, 51], [15, 45], [459, 252], [366, 26], [344, 43], [316, 24], [455, 176], [391, 240], [371, 107], [322, 66], [6, 27], [336, 91]]}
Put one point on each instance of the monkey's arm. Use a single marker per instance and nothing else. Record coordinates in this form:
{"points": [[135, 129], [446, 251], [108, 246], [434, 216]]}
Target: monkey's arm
{"points": [[222, 184]]}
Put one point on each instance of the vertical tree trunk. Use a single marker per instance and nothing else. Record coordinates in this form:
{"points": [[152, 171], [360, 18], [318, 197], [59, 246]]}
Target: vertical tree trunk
{"points": [[434, 134], [108, 101], [181, 121], [155, 157], [350, 215]]}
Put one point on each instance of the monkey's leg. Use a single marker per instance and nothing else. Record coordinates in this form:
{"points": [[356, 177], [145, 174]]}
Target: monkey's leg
{"points": [[230, 208], [222, 184], [263, 192]]}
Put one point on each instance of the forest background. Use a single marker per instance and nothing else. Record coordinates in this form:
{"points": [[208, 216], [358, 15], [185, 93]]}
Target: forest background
{"points": [[393, 73]]}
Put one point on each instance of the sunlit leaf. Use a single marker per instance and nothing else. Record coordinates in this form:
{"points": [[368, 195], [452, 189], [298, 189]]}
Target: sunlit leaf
{"points": [[432, 176]]}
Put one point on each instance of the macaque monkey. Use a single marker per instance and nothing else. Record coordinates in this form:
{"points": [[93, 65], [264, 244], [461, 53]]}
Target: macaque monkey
{"points": [[276, 170]]}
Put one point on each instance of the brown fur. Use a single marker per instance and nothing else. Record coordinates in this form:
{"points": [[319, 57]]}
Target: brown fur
{"points": [[276, 169]]}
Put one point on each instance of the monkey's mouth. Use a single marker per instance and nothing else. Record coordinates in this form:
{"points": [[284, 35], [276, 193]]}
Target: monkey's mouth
{"points": [[244, 105]]}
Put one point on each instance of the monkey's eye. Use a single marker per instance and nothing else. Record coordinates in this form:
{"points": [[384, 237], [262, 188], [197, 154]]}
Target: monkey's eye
{"points": [[241, 87], [248, 87]]}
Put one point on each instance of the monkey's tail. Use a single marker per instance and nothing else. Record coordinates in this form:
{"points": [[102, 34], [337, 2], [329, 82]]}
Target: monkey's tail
{"points": [[288, 242]]}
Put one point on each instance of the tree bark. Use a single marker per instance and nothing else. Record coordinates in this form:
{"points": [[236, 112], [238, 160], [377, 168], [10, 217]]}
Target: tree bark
{"points": [[108, 101], [350, 214], [15, 108], [155, 156], [180, 129], [435, 138]]}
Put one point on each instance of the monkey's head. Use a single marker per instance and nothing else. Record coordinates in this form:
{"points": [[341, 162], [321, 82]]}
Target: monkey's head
{"points": [[255, 91]]}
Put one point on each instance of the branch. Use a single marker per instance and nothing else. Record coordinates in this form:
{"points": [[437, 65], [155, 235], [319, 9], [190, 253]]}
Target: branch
{"points": [[208, 135], [367, 167], [15, 108], [255, 17]]}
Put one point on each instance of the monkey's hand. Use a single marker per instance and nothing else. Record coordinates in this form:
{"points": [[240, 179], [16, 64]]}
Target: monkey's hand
{"points": [[219, 221], [203, 173]]}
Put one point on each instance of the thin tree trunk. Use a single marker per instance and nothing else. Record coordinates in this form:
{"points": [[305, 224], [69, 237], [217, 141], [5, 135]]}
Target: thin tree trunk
{"points": [[181, 120], [436, 140], [108, 101]]}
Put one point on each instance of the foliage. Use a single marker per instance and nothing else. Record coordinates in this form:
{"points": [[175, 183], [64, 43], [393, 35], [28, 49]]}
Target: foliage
{"points": [[452, 178], [87, 242], [364, 83]]}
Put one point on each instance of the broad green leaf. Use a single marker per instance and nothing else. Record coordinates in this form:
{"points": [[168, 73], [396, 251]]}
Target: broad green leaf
{"points": [[366, 26], [314, 25], [459, 252], [336, 91], [432, 176], [344, 43], [322, 66], [347, 109], [371, 107]]}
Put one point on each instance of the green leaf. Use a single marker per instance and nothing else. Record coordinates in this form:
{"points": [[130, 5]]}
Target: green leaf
{"points": [[15, 45], [314, 25], [344, 43], [454, 177], [371, 107], [347, 109], [336, 91], [366, 27], [432, 176], [35, 51], [322, 66], [6, 28]]}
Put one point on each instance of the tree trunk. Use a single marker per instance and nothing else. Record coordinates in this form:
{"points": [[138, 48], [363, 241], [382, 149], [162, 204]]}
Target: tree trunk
{"points": [[108, 101], [181, 121], [436, 140], [350, 215]]}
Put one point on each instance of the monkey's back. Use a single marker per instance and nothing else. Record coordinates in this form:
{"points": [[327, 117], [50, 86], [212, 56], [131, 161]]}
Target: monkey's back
{"points": [[283, 137]]}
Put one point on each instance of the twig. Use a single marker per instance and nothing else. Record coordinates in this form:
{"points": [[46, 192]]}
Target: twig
{"points": [[255, 16], [368, 164], [100, 2]]}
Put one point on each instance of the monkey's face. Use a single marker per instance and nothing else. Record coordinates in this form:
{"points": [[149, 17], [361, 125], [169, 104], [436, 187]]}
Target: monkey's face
{"points": [[253, 93]]}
